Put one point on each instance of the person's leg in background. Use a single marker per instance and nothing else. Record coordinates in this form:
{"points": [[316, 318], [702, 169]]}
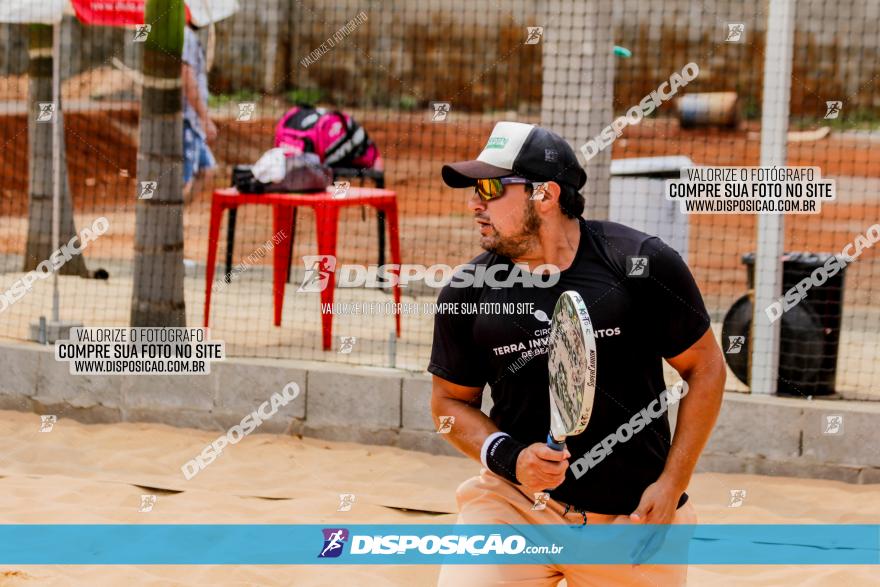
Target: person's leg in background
{"points": [[190, 159], [205, 175]]}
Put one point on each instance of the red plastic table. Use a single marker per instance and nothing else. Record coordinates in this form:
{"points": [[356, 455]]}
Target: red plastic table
{"points": [[326, 209]]}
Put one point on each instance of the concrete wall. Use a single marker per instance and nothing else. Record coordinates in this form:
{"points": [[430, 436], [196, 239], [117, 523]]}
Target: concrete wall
{"points": [[82, 47], [372, 405], [421, 49]]}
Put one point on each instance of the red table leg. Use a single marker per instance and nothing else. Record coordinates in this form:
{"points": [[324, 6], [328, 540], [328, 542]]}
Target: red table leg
{"points": [[217, 208], [327, 218], [394, 234], [282, 217]]}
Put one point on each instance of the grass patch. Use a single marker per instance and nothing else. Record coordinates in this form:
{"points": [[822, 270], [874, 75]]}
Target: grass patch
{"points": [[304, 96], [860, 119], [217, 100]]}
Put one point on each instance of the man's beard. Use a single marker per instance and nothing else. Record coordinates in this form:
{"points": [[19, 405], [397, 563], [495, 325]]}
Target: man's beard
{"points": [[519, 244]]}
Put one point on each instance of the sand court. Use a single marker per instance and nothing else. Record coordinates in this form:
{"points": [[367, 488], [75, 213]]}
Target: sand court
{"points": [[96, 474]]}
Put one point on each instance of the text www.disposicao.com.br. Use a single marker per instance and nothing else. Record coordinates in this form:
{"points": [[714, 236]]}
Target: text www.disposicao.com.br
{"points": [[171, 366]]}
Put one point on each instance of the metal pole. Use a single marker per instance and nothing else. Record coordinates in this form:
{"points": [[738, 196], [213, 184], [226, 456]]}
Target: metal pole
{"points": [[774, 129], [577, 92], [57, 137]]}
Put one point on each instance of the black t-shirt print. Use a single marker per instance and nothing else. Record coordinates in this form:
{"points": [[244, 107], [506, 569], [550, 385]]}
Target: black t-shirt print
{"points": [[638, 321]]}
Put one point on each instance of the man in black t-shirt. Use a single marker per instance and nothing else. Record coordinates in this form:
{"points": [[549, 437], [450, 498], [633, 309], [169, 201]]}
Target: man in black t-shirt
{"points": [[645, 307]]}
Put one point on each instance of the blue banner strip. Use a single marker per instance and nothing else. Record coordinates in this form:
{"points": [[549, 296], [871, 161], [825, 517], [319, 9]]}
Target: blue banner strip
{"points": [[431, 544]]}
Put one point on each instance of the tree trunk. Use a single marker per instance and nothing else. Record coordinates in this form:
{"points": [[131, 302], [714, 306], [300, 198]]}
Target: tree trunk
{"points": [[40, 172], [157, 295]]}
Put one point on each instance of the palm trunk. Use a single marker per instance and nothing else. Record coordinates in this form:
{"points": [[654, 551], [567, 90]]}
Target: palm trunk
{"points": [[157, 296], [40, 144]]}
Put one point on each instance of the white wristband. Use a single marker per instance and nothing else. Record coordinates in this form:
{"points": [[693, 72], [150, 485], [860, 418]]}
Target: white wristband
{"points": [[486, 444]]}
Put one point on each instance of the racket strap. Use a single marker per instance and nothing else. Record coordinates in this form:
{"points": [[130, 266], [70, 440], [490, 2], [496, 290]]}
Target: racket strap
{"points": [[501, 452]]}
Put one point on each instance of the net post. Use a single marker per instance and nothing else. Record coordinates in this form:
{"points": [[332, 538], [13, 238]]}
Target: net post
{"points": [[579, 106], [770, 237]]}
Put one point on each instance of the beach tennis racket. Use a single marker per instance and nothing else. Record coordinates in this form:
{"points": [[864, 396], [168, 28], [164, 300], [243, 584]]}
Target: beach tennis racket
{"points": [[572, 366]]}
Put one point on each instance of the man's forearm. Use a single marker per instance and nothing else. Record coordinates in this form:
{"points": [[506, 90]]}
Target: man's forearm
{"points": [[471, 426], [697, 414]]}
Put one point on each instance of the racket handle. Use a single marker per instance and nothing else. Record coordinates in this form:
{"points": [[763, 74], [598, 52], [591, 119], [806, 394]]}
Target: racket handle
{"points": [[551, 442]]}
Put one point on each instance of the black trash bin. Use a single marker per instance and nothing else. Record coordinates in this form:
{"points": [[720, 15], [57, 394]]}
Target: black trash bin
{"points": [[809, 333]]}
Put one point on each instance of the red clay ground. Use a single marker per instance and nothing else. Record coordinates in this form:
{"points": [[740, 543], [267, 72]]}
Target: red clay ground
{"points": [[101, 151]]}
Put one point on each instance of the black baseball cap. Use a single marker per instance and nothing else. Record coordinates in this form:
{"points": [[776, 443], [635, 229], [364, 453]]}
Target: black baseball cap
{"points": [[526, 150]]}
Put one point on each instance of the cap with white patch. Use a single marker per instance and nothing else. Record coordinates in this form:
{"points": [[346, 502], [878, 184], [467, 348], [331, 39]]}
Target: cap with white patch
{"points": [[525, 150]]}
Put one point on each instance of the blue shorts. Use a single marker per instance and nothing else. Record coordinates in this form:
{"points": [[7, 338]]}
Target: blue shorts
{"points": [[196, 154]]}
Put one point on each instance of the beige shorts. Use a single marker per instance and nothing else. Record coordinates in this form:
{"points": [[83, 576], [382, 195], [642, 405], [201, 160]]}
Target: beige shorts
{"points": [[489, 499]]}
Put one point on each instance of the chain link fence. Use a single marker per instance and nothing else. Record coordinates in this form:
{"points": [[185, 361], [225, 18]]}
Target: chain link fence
{"points": [[428, 81]]}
